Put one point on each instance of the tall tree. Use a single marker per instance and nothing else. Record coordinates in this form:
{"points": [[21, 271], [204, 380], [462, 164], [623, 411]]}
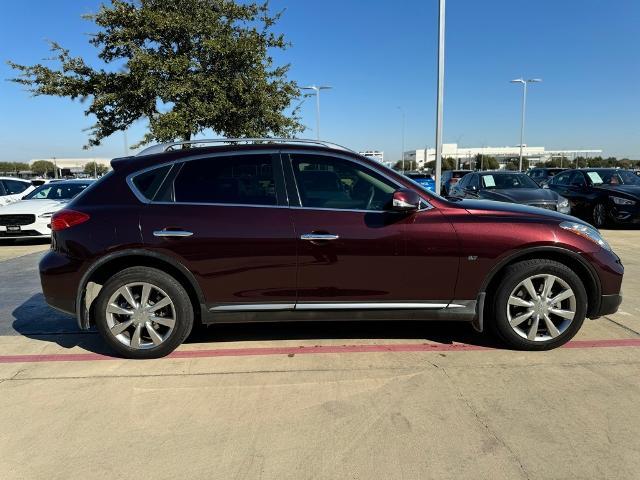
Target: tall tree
{"points": [[182, 65], [95, 169], [43, 167]]}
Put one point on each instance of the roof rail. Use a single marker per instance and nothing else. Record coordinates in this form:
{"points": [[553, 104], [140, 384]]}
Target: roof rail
{"points": [[167, 147]]}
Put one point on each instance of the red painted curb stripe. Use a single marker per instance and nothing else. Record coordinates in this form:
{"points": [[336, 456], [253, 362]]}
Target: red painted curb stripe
{"points": [[302, 350]]}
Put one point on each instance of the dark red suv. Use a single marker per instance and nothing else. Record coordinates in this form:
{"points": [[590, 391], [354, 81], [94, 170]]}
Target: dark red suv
{"points": [[280, 230]]}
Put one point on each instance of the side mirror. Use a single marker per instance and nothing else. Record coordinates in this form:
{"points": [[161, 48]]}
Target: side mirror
{"points": [[405, 200], [473, 188]]}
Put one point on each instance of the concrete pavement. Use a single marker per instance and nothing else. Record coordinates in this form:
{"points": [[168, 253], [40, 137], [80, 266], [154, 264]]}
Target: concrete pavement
{"points": [[261, 414]]}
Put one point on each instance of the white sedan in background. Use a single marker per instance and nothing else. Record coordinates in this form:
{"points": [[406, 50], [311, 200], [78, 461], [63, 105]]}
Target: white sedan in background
{"points": [[13, 189], [30, 217]]}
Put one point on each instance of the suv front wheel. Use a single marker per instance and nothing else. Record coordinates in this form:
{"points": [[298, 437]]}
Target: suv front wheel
{"points": [[539, 305], [142, 312]]}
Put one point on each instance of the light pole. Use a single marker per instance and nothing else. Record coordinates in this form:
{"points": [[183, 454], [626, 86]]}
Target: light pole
{"points": [[317, 89], [402, 134], [440, 95], [524, 107]]}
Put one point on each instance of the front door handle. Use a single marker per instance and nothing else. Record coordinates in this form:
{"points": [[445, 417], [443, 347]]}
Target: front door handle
{"points": [[172, 233], [319, 237]]}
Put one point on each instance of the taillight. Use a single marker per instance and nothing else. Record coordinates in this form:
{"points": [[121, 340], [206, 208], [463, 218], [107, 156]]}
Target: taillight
{"points": [[67, 218]]}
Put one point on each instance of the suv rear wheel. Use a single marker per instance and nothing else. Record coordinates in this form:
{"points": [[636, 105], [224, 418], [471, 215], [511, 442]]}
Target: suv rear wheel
{"points": [[142, 312], [539, 304]]}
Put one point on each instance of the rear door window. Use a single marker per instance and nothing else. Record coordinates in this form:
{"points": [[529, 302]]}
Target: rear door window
{"points": [[233, 179], [561, 178]]}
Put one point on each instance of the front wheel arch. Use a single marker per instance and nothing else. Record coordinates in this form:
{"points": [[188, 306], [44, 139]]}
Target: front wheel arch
{"points": [[558, 254]]}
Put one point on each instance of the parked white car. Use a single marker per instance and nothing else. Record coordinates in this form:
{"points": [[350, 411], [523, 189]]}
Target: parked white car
{"points": [[13, 189], [30, 218]]}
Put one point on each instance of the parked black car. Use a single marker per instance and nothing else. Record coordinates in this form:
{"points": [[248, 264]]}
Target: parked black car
{"points": [[450, 178], [600, 195], [511, 187], [542, 176]]}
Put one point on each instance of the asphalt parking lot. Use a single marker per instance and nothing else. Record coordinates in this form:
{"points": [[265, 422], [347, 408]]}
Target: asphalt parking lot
{"points": [[328, 401]]}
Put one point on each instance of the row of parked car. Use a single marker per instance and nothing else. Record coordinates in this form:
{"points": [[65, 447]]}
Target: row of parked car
{"points": [[26, 207], [601, 196]]}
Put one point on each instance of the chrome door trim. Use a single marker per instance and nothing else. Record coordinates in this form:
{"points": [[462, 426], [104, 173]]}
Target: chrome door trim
{"points": [[319, 237], [252, 307], [172, 233], [371, 306]]}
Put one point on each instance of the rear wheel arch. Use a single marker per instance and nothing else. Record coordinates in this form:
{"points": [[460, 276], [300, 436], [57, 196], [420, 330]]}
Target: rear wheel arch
{"points": [[102, 270], [561, 255]]}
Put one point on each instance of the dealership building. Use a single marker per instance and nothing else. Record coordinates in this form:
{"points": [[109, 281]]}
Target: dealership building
{"points": [[464, 155]]}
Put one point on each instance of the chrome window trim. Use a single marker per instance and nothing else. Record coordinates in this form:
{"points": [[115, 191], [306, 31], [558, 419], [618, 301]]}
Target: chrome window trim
{"points": [[129, 178], [270, 151], [354, 160]]}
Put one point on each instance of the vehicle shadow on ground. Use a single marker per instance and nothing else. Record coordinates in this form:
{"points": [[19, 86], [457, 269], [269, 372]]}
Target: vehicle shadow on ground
{"points": [[34, 319], [19, 242]]}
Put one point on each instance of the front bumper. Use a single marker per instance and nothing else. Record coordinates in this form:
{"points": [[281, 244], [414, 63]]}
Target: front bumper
{"points": [[609, 304], [628, 214], [38, 229]]}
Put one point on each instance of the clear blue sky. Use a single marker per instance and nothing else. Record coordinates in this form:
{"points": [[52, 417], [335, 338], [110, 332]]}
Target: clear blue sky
{"points": [[378, 54]]}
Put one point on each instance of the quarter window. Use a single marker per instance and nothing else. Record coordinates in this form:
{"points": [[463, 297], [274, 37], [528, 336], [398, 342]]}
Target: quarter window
{"points": [[329, 182], [234, 179], [149, 182]]}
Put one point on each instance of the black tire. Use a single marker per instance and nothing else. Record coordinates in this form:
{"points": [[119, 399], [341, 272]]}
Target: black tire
{"points": [[599, 215], [173, 289], [518, 272]]}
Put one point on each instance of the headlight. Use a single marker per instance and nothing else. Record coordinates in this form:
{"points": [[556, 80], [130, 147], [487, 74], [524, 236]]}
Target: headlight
{"points": [[622, 201], [586, 232], [46, 215], [563, 202]]}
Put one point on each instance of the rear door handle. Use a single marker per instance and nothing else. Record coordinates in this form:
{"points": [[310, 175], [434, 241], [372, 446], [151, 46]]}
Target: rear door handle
{"points": [[172, 233], [319, 237]]}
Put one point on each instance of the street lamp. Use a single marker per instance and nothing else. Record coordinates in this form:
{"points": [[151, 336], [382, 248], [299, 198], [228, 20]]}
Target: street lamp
{"points": [[524, 107], [402, 151], [440, 91], [317, 89]]}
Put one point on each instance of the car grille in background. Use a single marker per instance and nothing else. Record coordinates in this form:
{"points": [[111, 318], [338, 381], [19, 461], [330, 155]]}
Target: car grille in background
{"points": [[547, 205], [17, 219], [20, 233]]}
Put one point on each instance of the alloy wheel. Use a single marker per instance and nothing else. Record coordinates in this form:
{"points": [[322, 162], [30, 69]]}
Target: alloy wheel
{"points": [[599, 215], [140, 315], [541, 307]]}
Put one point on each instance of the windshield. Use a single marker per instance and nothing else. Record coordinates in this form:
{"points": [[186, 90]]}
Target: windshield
{"points": [[613, 177], [507, 180], [57, 191]]}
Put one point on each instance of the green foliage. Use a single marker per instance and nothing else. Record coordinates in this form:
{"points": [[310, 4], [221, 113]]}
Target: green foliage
{"points": [[448, 163], [409, 166], [184, 66], [13, 167], [514, 164], [486, 162], [43, 167], [95, 169]]}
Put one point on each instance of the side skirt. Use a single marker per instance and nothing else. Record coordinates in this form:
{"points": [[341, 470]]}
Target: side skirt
{"points": [[458, 310]]}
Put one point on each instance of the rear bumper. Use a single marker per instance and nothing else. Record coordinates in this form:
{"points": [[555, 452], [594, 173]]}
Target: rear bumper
{"points": [[60, 276], [609, 304]]}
